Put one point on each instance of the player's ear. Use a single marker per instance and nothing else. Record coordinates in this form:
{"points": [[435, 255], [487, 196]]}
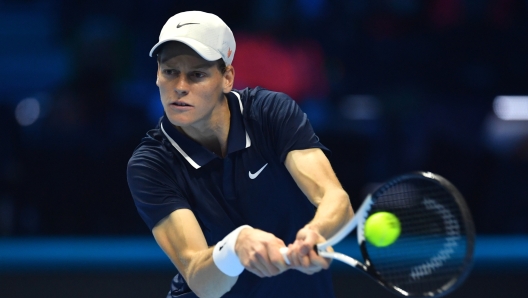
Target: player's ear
{"points": [[228, 78]]}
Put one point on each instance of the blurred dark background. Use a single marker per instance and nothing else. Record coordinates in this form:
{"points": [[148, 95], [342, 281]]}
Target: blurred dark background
{"points": [[390, 86]]}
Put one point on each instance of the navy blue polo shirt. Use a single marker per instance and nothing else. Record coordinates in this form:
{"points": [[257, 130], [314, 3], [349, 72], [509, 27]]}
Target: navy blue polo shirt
{"points": [[251, 185]]}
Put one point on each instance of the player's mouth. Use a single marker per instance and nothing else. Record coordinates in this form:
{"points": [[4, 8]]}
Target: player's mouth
{"points": [[179, 105]]}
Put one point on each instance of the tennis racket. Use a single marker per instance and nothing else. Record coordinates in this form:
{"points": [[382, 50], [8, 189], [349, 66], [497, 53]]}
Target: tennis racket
{"points": [[434, 251]]}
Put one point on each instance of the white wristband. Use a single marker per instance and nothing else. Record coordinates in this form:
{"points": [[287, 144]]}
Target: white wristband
{"points": [[224, 255]]}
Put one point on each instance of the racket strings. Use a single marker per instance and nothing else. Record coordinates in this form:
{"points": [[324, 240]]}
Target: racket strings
{"points": [[432, 247]]}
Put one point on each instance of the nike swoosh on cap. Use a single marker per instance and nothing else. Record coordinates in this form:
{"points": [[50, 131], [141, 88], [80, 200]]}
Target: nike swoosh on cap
{"points": [[185, 24], [253, 176]]}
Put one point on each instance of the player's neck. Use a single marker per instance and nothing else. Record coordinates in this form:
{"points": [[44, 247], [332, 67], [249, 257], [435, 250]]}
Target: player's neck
{"points": [[213, 132]]}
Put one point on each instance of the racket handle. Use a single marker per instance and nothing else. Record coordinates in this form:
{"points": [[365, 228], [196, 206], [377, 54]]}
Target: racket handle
{"points": [[284, 253]]}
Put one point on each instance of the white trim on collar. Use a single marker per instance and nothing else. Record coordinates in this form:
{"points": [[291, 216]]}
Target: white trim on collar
{"points": [[187, 157], [248, 140], [175, 145]]}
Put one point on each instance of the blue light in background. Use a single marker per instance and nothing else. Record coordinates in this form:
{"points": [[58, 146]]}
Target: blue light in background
{"points": [[311, 8], [505, 253]]}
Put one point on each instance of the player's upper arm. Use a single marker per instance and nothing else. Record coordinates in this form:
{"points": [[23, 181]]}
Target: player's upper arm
{"points": [[311, 170], [180, 237]]}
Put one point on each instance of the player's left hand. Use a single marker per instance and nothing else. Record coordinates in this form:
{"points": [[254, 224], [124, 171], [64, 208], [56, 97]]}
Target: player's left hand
{"points": [[302, 255]]}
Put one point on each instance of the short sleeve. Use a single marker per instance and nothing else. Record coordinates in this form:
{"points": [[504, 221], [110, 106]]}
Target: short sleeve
{"points": [[153, 189], [288, 125]]}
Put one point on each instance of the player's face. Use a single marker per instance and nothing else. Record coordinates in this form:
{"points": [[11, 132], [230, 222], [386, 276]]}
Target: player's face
{"points": [[191, 88]]}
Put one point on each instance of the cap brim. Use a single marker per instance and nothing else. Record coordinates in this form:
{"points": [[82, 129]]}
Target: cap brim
{"points": [[204, 51]]}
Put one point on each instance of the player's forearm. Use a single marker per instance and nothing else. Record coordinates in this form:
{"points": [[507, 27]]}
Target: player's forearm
{"points": [[204, 278], [179, 235], [332, 213]]}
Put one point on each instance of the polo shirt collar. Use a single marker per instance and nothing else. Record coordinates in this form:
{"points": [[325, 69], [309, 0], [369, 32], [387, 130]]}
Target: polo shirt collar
{"points": [[196, 154]]}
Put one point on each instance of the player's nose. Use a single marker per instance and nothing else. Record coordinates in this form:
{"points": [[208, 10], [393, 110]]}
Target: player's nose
{"points": [[182, 86]]}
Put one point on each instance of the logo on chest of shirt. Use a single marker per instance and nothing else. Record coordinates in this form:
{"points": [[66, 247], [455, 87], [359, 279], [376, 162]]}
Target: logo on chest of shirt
{"points": [[255, 175]]}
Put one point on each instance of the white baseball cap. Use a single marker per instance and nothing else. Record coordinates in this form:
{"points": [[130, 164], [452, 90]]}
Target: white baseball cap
{"points": [[203, 32]]}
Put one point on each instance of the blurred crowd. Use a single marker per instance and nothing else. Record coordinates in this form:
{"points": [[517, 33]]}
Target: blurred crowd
{"points": [[390, 86]]}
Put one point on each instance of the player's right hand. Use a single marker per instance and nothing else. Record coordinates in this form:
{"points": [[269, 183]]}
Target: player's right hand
{"points": [[302, 255], [258, 252]]}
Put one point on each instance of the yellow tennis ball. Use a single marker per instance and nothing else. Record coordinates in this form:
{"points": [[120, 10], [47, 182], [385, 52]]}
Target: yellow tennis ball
{"points": [[382, 229]]}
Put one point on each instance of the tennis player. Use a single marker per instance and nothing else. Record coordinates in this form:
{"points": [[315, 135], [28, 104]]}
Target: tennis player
{"points": [[228, 177]]}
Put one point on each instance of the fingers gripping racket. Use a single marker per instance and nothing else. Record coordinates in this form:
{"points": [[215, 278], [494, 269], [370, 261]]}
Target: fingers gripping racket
{"points": [[434, 250]]}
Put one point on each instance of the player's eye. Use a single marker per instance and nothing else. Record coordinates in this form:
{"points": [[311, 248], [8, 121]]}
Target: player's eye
{"points": [[169, 71], [199, 75]]}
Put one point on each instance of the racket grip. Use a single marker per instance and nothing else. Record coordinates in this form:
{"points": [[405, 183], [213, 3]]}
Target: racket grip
{"points": [[284, 253]]}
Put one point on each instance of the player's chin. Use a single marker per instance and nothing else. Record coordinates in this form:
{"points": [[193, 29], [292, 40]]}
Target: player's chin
{"points": [[178, 119]]}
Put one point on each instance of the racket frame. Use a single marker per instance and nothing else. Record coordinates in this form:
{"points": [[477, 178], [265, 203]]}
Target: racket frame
{"points": [[358, 222]]}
